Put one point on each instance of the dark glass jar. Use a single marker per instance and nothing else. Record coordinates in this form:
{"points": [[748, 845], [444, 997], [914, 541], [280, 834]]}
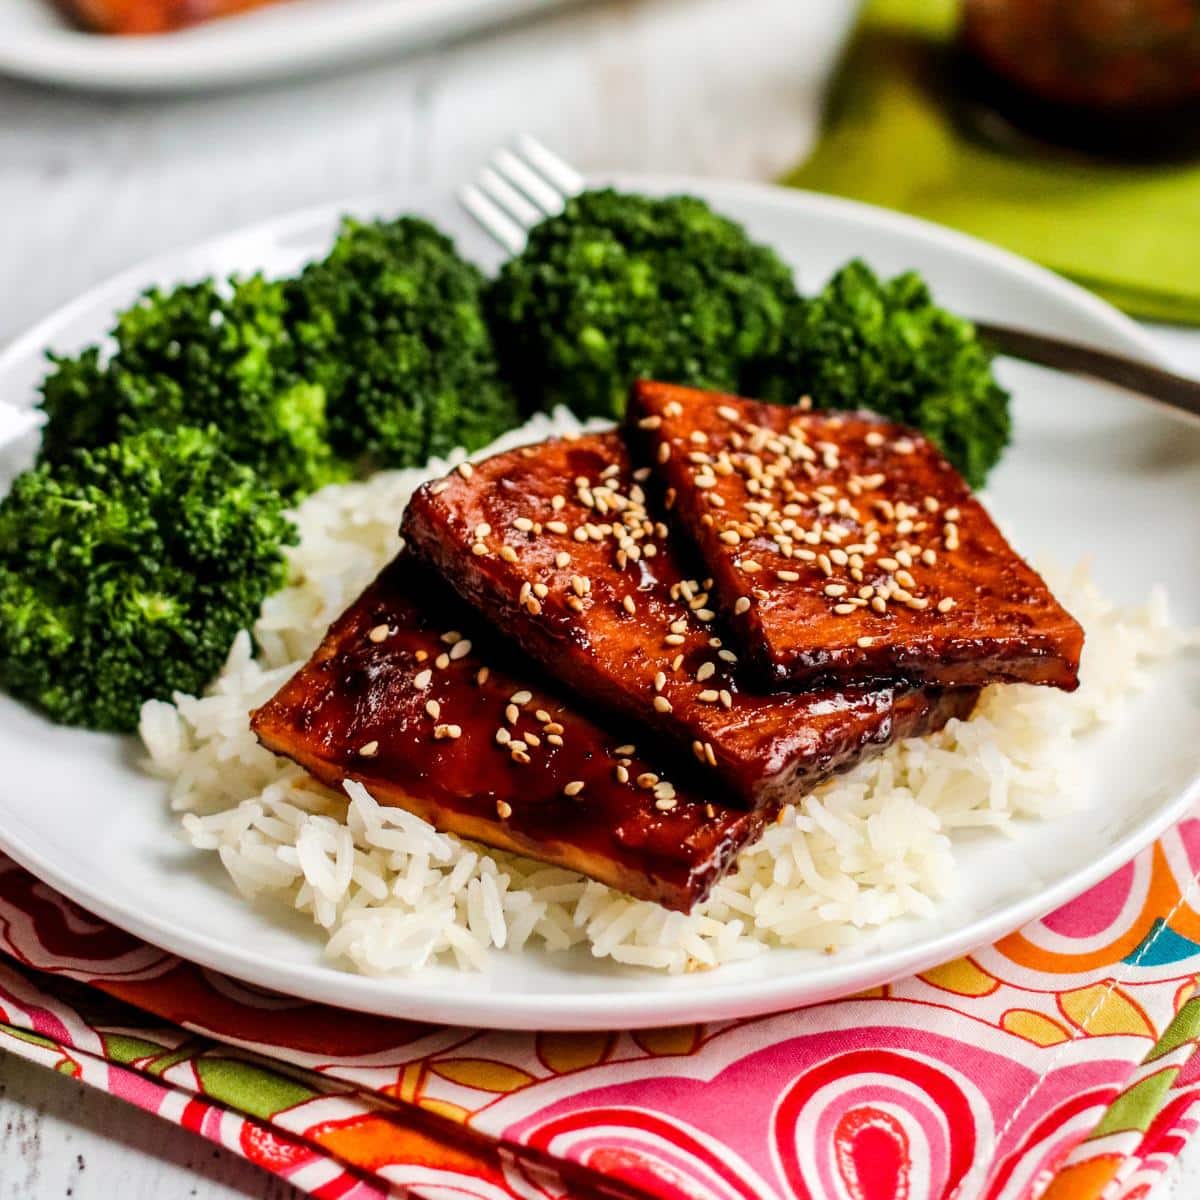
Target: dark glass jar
{"points": [[1117, 77]]}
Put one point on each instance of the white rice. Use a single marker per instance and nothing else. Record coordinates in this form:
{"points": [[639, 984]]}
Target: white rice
{"points": [[391, 894]]}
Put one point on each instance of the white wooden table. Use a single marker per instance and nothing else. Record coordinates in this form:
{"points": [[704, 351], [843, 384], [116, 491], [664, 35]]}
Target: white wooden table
{"points": [[90, 185]]}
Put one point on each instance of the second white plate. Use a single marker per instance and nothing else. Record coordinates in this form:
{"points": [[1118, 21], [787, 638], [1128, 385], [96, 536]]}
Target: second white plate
{"points": [[269, 43]]}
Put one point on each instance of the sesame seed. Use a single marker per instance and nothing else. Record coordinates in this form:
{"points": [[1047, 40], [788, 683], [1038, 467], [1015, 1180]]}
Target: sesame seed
{"points": [[524, 524], [674, 639], [533, 607], [628, 605], [647, 779], [727, 656], [378, 634], [726, 697], [864, 642], [422, 678], [508, 554], [503, 810], [622, 773], [730, 414], [844, 609], [573, 788], [479, 549], [369, 750], [482, 529], [835, 589], [452, 732], [709, 696], [709, 754], [662, 704], [553, 727], [704, 671], [557, 526], [460, 649], [451, 636], [874, 438], [731, 537], [945, 604], [519, 756], [521, 697], [442, 661], [652, 422], [433, 708], [466, 470], [705, 614], [665, 803], [625, 751], [741, 605], [787, 576], [481, 676], [554, 739], [750, 565], [503, 737], [512, 714]]}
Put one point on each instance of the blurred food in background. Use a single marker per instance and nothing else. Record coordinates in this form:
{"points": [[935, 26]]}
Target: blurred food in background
{"points": [[150, 16], [1122, 76]]}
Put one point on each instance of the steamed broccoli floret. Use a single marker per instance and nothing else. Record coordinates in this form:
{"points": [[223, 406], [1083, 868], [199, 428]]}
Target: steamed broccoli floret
{"points": [[391, 324], [619, 287], [126, 572], [863, 342], [198, 355]]}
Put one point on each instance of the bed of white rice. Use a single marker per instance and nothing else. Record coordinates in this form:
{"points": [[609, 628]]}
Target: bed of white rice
{"points": [[391, 895]]}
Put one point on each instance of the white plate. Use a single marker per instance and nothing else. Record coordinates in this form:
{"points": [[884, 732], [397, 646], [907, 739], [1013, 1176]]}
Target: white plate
{"points": [[1092, 472], [284, 39]]}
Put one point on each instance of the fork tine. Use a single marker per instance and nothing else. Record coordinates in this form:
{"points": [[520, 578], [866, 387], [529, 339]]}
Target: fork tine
{"points": [[564, 177], [508, 198], [496, 223], [544, 194]]}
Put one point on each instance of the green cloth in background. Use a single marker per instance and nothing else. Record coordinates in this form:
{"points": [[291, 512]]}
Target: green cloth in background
{"points": [[891, 137]]}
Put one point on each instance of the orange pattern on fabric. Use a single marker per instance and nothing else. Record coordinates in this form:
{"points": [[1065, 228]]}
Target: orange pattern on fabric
{"points": [[372, 1143], [1162, 896], [1083, 1180]]}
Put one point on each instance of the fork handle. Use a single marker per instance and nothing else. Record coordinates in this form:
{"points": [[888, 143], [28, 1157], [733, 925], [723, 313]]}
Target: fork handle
{"points": [[1167, 387]]}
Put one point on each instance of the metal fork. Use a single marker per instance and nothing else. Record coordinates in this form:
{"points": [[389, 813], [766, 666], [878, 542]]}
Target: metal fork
{"points": [[526, 183]]}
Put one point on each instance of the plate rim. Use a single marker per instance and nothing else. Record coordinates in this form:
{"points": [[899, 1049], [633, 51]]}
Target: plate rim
{"points": [[248, 48], [444, 1004]]}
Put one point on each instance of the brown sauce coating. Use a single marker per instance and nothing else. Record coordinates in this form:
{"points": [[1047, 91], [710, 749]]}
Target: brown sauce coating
{"points": [[558, 545], [374, 705], [841, 545]]}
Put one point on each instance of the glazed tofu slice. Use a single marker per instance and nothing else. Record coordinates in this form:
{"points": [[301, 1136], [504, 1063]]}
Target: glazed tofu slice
{"points": [[557, 546], [842, 546], [409, 697]]}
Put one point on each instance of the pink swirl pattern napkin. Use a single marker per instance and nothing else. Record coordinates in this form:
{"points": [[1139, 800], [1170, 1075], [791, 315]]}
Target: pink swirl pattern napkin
{"points": [[1058, 1063]]}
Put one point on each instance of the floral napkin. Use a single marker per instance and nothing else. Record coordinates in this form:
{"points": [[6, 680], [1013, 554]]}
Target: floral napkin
{"points": [[1057, 1063]]}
